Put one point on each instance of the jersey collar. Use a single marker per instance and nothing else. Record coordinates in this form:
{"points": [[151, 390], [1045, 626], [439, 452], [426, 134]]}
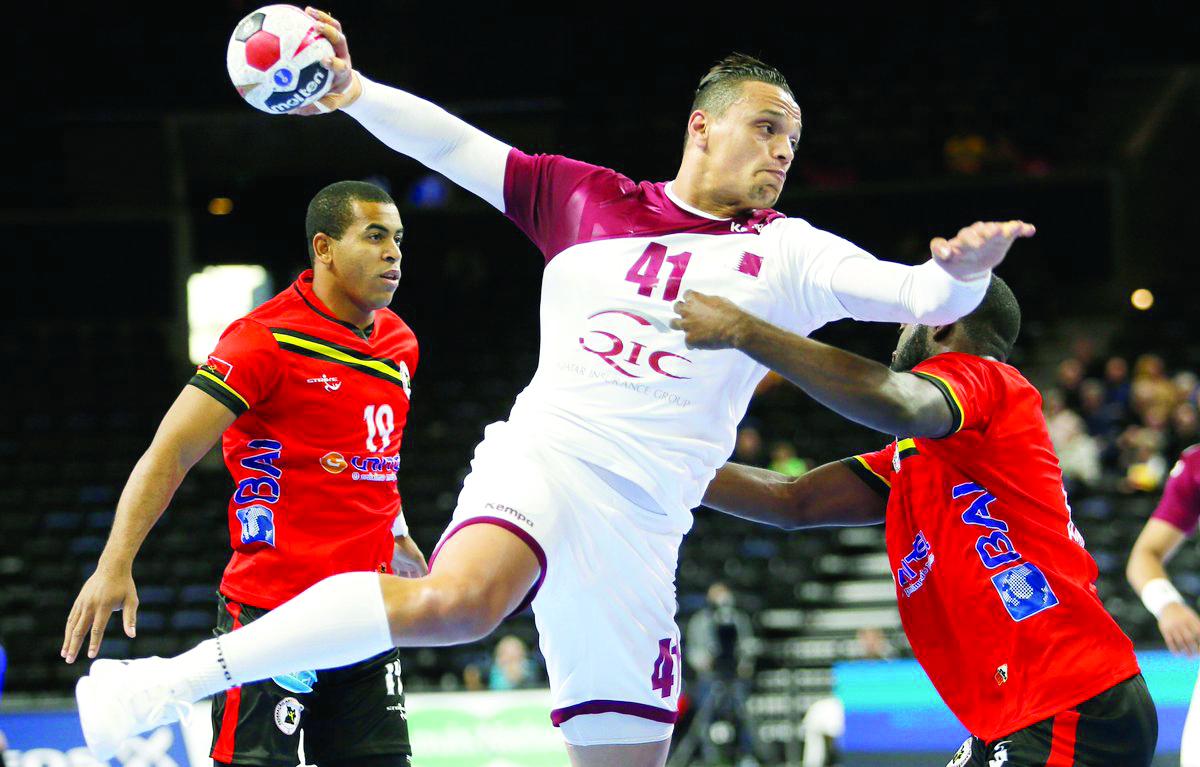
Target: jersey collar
{"points": [[667, 188], [303, 287]]}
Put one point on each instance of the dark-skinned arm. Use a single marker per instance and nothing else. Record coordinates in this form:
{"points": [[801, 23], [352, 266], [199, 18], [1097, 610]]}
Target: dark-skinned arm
{"points": [[864, 391], [828, 496]]}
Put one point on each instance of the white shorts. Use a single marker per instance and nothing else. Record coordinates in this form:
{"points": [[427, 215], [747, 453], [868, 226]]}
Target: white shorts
{"points": [[605, 603]]}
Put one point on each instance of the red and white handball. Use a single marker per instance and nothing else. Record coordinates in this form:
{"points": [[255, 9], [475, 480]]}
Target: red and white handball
{"points": [[274, 59]]}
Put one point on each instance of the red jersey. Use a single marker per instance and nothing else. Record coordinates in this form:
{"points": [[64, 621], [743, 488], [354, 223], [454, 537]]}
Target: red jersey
{"points": [[993, 583], [321, 407]]}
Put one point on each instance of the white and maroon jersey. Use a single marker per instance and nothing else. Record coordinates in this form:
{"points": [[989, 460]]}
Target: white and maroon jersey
{"points": [[1180, 503], [615, 386]]}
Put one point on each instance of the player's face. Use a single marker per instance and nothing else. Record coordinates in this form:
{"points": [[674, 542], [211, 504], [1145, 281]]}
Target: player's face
{"points": [[366, 260], [912, 349], [752, 144]]}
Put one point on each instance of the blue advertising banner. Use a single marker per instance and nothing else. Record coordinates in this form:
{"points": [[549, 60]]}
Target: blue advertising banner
{"points": [[892, 706], [54, 739]]}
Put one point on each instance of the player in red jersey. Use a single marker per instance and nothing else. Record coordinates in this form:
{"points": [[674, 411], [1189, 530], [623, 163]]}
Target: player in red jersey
{"points": [[994, 586], [309, 395], [1173, 520]]}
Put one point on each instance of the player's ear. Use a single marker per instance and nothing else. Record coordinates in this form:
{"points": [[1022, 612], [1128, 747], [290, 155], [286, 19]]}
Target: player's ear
{"points": [[698, 125], [322, 248]]}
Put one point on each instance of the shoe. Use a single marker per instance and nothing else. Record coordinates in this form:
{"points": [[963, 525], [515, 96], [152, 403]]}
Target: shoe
{"points": [[119, 699]]}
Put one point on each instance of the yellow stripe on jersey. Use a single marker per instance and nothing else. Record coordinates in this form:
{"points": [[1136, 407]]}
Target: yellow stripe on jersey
{"points": [[867, 466], [333, 354], [223, 385], [955, 403]]}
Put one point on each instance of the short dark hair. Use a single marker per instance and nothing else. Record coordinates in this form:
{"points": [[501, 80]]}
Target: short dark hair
{"points": [[722, 85], [332, 209], [993, 327]]}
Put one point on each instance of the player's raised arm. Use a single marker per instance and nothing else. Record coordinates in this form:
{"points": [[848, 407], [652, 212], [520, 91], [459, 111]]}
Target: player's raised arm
{"points": [[411, 125], [936, 292], [857, 388], [828, 496], [188, 430]]}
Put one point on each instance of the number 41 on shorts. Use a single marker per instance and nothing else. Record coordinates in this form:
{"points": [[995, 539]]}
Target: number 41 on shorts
{"points": [[662, 678]]}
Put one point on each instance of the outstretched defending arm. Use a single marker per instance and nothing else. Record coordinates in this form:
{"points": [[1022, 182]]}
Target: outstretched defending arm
{"points": [[828, 496], [412, 126], [852, 386]]}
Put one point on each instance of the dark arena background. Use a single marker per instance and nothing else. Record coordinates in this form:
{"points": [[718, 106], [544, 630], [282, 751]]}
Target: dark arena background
{"points": [[133, 164]]}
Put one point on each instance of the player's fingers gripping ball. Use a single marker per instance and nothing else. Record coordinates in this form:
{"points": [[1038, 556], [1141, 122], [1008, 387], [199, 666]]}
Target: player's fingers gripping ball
{"points": [[275, 59]]}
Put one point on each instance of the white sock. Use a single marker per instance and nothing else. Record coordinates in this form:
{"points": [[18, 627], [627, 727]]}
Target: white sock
{"points": [[336, 622]]}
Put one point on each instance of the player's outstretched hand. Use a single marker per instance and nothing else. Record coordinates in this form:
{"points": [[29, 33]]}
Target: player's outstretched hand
{"points": [[978, 247], [346, 87], [407, 559], [708, 322], [104, 593], [1180, 626]]}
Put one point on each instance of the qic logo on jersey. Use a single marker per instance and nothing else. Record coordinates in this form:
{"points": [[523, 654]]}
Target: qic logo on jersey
{"points": [[631, 358]]}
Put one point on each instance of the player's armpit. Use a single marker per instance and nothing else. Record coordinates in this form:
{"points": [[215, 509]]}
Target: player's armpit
{"points": [[828, 496]]}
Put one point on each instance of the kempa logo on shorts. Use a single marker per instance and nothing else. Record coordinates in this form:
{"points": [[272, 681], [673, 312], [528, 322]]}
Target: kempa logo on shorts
{"points": [[511, 512], [287, 715]]}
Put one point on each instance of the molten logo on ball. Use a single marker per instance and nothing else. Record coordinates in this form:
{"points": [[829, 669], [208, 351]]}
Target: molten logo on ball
{"points": [[274, 59]]}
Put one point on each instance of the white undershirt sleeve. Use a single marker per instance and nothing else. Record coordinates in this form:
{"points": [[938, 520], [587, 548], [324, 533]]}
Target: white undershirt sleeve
{"points": [[884, 291], [434, 137]]}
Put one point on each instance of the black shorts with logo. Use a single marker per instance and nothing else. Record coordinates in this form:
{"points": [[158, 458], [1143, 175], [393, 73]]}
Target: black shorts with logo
{"points": [[1117, 728], [352, 712]]}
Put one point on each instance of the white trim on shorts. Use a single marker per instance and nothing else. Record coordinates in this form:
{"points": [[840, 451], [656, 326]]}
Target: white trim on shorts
{"points": [[611, 728]]}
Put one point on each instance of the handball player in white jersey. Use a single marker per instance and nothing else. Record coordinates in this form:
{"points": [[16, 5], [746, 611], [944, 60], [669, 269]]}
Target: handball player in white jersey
{"points": [[579, 501]]}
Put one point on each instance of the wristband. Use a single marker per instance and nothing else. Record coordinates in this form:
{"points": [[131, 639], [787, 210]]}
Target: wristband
{"points": [[399, 525], [1159, 593]]}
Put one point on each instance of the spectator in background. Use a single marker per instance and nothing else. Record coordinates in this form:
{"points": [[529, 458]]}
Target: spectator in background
{"points": [[1141, 459], [749, 446], [1116, 381], [785, 461], [1184, 428], [1151, 388], [1068, 378], [512, 668], [1187, 385], [1077, 452], [1102, 416], [719, 645]]}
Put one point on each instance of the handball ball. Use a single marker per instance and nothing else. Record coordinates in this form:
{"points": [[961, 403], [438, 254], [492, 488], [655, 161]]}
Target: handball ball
{"points": [[274, 59]]}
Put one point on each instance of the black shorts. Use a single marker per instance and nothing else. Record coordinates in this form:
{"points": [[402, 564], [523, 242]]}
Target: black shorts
{"points": [[1117, 728], [352, 712]]}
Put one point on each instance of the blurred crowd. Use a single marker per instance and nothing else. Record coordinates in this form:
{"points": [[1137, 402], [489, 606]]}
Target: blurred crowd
{"points": [[1118, 423]]}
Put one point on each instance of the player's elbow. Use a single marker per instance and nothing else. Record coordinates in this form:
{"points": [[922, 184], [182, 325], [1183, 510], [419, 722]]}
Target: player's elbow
{"points": [[792, 507], [468, 609]]}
